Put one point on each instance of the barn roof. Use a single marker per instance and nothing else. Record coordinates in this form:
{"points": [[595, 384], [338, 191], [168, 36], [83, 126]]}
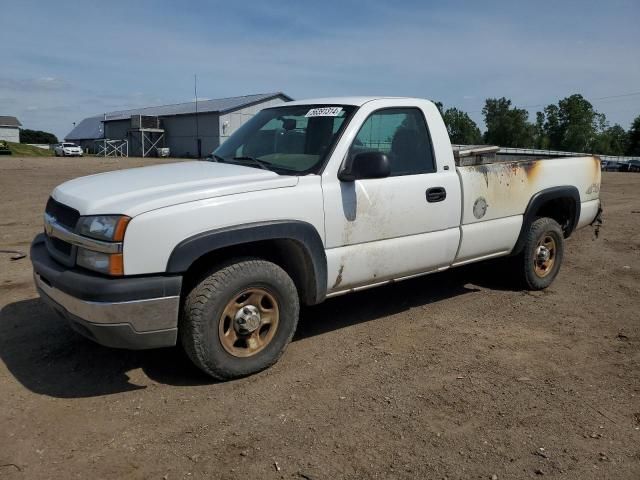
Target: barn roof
{"points": [[7, 121], [87, 129], [217, 105]]}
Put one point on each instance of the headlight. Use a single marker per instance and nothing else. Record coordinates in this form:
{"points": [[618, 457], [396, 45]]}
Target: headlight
{"points": [[103, 227], [109, 263]]}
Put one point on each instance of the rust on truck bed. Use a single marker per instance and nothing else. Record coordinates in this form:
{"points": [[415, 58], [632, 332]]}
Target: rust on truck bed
{"points": [[507, 172], [507, 186]]}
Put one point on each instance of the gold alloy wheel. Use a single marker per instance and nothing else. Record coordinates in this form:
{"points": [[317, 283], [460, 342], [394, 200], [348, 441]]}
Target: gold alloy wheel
{"points": [[248, 322], [544, 256]]}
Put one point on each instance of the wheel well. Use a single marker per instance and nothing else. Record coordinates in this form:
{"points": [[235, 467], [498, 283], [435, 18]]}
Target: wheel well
{"points": [[562, 210], [559, 203], [288, 254]]}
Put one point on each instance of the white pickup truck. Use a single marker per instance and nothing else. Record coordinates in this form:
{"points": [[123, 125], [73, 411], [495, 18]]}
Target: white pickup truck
{"points": [[306, 201]]}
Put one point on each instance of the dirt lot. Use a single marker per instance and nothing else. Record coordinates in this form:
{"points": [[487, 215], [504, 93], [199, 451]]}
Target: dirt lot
{"points": [[455, 375]]}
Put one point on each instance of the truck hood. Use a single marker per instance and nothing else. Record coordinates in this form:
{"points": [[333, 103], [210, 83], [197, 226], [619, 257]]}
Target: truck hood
{"points": [[138, 190]]}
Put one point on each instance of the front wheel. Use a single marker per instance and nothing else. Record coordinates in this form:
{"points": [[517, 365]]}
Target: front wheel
{"points": [[542, 255], [239, 319]]}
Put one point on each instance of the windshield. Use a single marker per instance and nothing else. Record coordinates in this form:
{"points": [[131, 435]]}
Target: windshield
{"points": [[68, 145], [291, 140]]}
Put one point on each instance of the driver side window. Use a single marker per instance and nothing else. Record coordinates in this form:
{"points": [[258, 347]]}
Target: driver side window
{"points": [[401, 134]]}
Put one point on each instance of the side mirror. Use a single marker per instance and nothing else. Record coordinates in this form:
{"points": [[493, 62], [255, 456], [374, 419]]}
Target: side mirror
{"points": [[365, 165]]}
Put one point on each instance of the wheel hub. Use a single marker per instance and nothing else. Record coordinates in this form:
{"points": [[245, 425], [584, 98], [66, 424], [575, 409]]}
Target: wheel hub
{"points": [[544, 256], [249, 322], [543, 253], [247, 319]]}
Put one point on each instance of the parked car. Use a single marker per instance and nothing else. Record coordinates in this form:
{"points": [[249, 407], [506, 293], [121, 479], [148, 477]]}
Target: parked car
{"points": [[67, 150], [613, 166], [633, 165], [308, 200], [4, 148]]}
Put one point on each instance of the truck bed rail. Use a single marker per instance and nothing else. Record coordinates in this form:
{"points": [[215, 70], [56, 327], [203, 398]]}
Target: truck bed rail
{"points": [[468, 155]]}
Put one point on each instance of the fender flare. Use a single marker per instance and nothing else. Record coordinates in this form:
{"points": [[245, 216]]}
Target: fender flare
{"points": [[538, 200], [305, 234]]}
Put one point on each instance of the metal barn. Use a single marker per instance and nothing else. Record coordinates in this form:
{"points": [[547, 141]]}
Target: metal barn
{"points": [[187, 129]]}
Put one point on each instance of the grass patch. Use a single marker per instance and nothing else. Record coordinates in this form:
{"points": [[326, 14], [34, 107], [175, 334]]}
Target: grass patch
{"points": [[24, 150]]}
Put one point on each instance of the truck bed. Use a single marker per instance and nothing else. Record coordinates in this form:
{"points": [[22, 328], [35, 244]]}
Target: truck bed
{"points": [[507, 178], [497, 189]]}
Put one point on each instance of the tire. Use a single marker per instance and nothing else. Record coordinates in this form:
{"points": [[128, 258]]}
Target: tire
{"points": [[543, 232], [208, 324]]}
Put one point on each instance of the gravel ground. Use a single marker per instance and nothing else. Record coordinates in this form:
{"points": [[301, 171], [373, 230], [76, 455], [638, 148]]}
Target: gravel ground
{"points": [[454, 375]]}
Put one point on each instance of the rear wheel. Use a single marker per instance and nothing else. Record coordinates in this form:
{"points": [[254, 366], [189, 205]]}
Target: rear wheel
{"points": [[542, 255], [239, 319]]}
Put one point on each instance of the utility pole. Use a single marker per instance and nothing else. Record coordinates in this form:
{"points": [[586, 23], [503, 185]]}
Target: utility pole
{"points": [[195, 92]]}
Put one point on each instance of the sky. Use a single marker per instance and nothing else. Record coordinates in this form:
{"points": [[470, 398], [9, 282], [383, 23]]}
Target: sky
{"points": [[62, 61]]}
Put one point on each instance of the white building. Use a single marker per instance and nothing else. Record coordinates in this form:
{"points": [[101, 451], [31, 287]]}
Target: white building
{"points": [[10, 129]]}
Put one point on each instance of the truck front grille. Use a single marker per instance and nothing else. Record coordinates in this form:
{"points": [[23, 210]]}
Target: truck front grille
{"points": [[60, 250], [64, 215]]}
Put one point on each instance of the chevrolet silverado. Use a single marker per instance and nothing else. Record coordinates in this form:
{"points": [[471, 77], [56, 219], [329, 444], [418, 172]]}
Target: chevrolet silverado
{"points": [[306, 201]]}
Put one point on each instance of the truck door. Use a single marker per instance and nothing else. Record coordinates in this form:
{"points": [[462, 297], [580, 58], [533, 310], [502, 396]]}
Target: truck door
{"points": [[401, 225]]}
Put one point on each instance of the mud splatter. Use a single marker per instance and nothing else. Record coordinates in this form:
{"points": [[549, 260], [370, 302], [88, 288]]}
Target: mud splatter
{"points": [[339, 277]]}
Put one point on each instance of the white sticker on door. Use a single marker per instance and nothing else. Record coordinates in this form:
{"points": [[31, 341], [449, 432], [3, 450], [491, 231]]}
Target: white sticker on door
{"points": [[324, 112]]}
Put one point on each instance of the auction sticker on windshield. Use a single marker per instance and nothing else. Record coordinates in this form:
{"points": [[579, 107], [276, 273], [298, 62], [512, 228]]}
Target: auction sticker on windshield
{"points": [[324, 112]]}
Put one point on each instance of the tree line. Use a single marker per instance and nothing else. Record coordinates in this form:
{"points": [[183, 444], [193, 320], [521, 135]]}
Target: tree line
{"points": [[37, 136], [571, 125]]}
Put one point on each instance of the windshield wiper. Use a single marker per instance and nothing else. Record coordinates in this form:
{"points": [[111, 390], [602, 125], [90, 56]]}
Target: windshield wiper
{"points": [[260, 163], [263, 164]]}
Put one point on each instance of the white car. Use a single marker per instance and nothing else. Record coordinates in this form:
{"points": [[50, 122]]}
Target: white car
{"points": [[308, 200], [67, 150]]}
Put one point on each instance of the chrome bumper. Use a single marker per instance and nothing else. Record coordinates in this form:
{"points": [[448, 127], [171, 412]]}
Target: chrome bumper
{"points": [[137, 324]]}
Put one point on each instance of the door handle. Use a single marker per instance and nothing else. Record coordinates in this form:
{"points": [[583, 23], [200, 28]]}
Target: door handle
{"points": [[436, 194]]}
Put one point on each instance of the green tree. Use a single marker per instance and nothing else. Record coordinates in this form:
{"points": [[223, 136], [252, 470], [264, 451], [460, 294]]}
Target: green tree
{"points": [[619, 140], [633, 138], [552, 129], [36, 136], [579, 123], [611, 141], [541, 138], [507, 126], [462, 130], [574, 125]]}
